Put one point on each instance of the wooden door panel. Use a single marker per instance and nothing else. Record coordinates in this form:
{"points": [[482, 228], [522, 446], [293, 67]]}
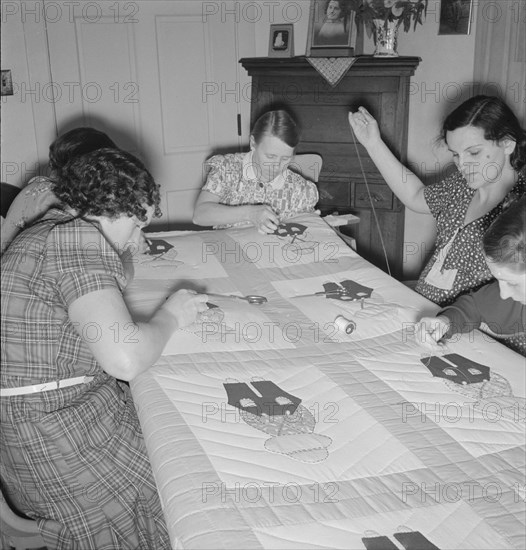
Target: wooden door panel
{"points": [[157, 82]]}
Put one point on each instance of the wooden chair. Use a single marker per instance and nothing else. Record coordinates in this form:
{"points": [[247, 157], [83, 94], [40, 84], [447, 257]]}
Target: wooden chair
{"points": [[308, 165], [16, 531]]}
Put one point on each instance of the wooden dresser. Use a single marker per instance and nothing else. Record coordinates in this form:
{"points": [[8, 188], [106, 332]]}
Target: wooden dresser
{"points": [[380, 85]]}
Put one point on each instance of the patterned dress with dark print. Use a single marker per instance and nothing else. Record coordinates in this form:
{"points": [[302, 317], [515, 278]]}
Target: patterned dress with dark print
{"points": [[31, 203], [457, 264], [234, 179], [74, 458]]}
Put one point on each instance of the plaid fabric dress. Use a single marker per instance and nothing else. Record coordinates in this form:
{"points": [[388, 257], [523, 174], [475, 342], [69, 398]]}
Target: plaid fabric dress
{"points": [[73, 459]]}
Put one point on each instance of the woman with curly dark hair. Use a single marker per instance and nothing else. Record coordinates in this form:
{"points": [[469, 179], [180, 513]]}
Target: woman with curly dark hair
{"points": [[72, 452]]}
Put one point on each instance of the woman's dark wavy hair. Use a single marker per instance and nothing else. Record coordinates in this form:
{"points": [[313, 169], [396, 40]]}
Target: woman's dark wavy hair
{"points": [[108, 182], [278, 124], [505, 239], [495, 118], [75, 143]]}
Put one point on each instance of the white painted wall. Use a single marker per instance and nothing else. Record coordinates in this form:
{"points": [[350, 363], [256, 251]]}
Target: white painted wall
{"points": [[27, 115], [441, 82]]}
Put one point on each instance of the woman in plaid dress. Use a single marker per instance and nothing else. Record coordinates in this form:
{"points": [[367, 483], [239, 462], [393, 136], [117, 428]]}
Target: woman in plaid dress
{"points": [[72, 452], [257, 187]]}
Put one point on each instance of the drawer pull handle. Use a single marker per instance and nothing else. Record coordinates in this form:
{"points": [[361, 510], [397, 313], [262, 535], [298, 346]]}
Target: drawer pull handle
{"points": [[374, 197]]}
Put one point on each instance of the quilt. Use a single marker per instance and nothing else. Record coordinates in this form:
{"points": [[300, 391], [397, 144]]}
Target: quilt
{"points": [[313, 418]]}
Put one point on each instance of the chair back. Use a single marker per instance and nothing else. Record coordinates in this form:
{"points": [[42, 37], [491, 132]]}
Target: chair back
{"points": [[308, 165], [9, 192]]}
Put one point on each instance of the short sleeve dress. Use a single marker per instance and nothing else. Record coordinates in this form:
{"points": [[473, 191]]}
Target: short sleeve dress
{"points": [[33, 201], [457, 264], [231, 178], [73, 458]]}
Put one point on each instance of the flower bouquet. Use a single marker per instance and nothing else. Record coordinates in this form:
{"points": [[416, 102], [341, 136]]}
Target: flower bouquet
{"points": [[399, 12], [383, 18]]}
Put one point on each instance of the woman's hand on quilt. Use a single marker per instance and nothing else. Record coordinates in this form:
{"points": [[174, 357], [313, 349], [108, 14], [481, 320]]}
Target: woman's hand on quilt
{"points": [[364, 127], [264, 218], [128, 259], [431, 330], [142, 242], [135, 246], [137, 243], [185, 306]]}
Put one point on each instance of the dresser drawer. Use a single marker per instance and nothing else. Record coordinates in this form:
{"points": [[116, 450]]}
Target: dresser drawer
{"points": [[381, 196]]}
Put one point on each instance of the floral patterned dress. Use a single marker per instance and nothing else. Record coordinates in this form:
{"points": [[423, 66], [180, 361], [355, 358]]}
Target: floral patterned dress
{"points": [[233, 178], [457, 264], [33, 201]]}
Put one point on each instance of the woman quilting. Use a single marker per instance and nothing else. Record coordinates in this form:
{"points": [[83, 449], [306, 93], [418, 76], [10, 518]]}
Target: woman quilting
{"points": [[257, 187], [489, 150], [72, 451]]}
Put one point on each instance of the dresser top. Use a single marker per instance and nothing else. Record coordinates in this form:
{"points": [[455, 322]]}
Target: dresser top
{"points": [[364, 64]]}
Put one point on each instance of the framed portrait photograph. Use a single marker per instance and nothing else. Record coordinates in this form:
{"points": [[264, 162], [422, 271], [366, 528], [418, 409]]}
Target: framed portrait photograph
{"points": [[455, 16], [330, 28], [281, 40]]}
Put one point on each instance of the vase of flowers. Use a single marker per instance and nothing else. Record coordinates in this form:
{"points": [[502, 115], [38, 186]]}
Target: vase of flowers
{"points": [[383, 19], [385, 38]]}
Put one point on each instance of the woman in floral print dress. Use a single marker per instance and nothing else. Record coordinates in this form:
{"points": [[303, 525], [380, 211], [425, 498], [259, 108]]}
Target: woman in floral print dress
{"points": [[489, 150], [257, 187]]}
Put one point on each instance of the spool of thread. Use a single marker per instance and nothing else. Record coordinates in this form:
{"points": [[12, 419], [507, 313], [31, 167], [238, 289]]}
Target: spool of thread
{"points": [[345, 325]]}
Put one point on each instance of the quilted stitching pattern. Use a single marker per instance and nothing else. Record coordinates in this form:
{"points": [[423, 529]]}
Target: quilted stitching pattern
{"points": [[406, 448]]}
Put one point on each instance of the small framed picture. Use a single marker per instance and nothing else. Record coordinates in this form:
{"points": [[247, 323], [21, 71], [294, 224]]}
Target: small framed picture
{"points": [[455, 16], [330, 29], [281, 40]]}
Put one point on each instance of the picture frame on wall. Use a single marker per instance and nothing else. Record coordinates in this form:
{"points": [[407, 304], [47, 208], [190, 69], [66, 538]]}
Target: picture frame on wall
{"points": [[281, 40], [330, 30], [455, 17]]}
